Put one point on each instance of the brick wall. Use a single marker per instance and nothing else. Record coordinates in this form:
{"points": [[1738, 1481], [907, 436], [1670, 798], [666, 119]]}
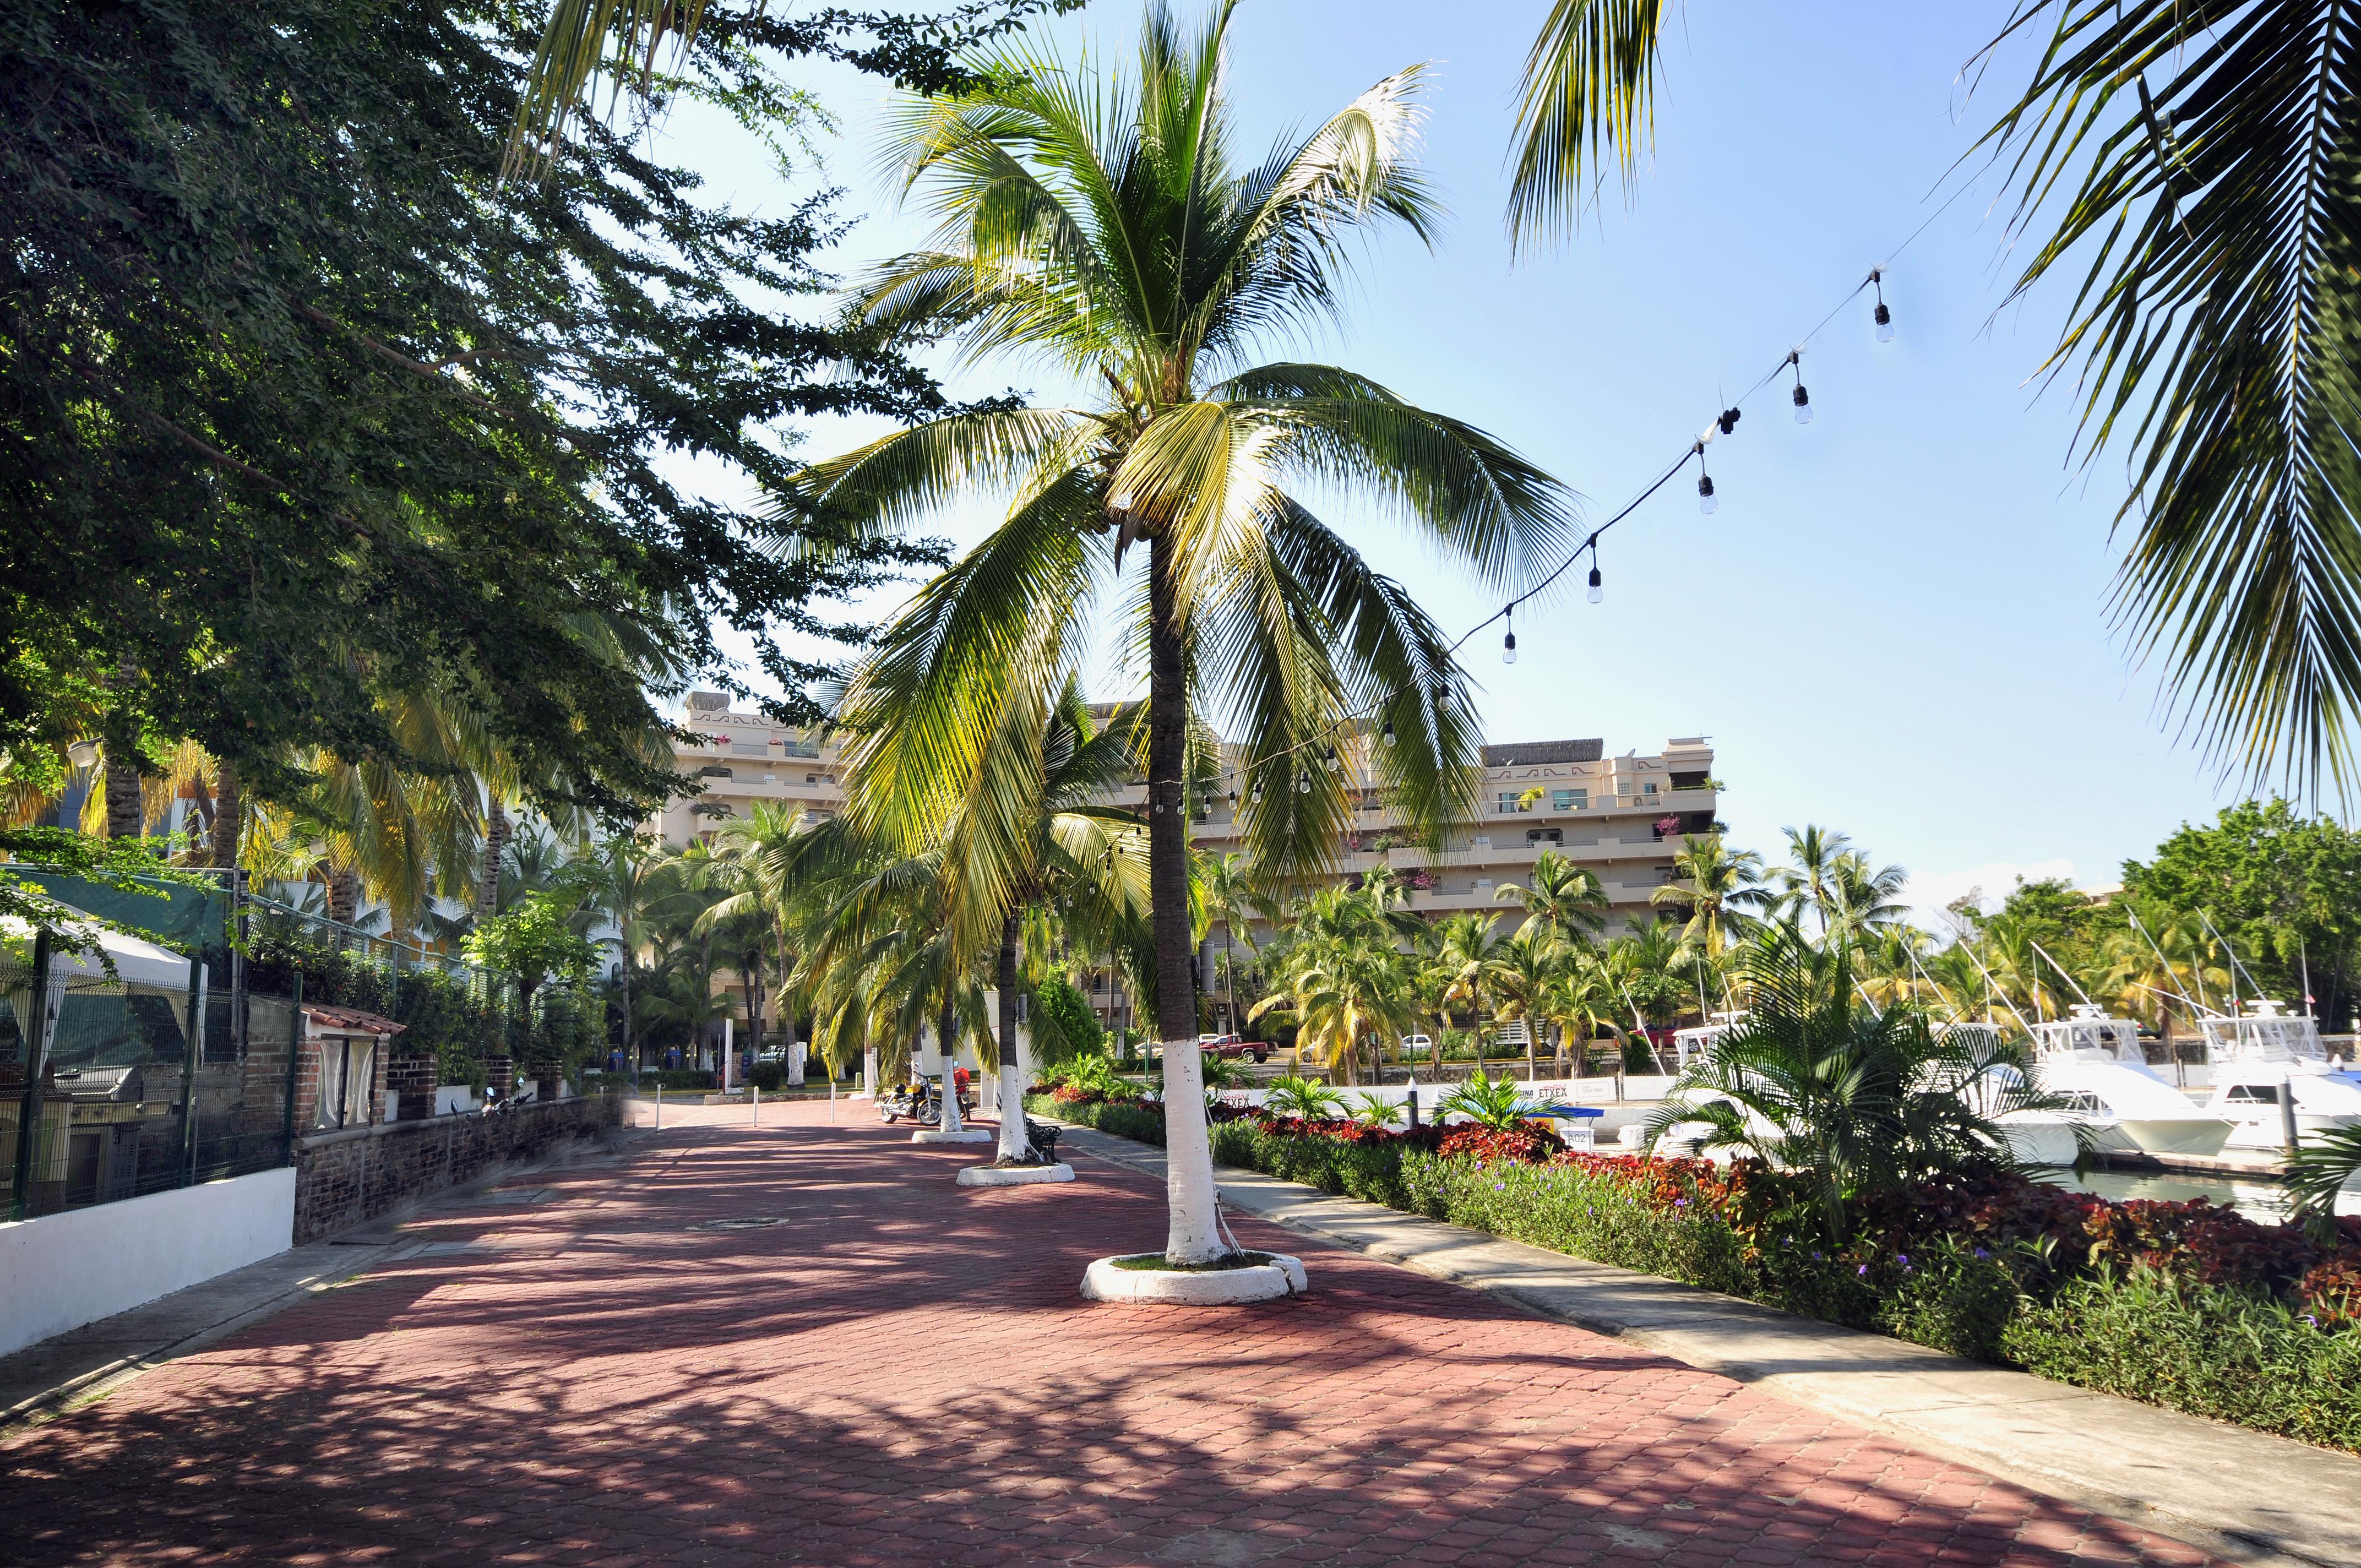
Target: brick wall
{"points": [[345, 1178]]}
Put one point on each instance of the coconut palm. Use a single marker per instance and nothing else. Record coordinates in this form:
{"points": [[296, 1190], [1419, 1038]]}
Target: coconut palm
{"points": [[1226, 898], [1466, 959], [1859, 1099], [1716, 885], [1027, 827], [1100, 225], [1864, 898], [1340, 976], [1807, 883], [1526, 965], [1582, 998], [2196, 161], [1567, 899], [617, 881]]}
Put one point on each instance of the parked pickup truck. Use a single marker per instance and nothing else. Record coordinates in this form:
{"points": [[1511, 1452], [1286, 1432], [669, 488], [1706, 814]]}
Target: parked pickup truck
{"points": [[1232, 1047]]}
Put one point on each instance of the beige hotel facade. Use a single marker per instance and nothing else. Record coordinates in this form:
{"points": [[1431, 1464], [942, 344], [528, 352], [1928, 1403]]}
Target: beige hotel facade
{"points": [[1620, 818]]}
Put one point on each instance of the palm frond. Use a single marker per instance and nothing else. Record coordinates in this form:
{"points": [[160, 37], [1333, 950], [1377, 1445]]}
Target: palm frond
{"points": [[1588, 94]]}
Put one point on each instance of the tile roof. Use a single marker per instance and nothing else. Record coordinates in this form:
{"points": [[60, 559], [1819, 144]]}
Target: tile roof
{"points": [[1523, 753], [351, 1018]]}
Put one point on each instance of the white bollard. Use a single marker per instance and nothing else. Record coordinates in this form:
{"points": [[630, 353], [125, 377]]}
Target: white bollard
{"points": [[758, 1105], [831, 1099], [659, 1107]]}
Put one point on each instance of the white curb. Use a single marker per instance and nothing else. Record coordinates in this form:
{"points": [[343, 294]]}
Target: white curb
{"points": [[964, 1135], [1106, 1281], [1014, 1174]]}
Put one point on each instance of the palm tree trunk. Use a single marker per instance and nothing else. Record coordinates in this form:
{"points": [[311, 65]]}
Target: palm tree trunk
{"points": [[1013, 1145], [127, 816], [228, 805], [488, 875], [343, 895], [1195, 1232], [946, 1036]]}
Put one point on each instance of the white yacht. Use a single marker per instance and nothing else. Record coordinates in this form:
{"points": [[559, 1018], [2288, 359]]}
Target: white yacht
{"points": [[2096, 1063], [1699, 1041], [2267, 1062]]}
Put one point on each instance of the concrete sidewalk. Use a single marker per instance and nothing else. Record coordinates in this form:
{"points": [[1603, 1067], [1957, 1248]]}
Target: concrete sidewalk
{"points": [[2239, 1494]]}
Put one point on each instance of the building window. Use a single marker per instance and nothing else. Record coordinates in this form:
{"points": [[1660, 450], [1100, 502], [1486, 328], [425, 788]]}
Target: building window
{"points": [[811, 778], [1648, 788], [1569, 799], [1545, 836]]}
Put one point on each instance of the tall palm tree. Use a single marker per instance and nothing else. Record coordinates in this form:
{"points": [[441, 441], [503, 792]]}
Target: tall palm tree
{"points": [[1716, 885], [1864, 898], [1567, 899], [617, 881], [1100, 225], [1028, 826], [1582, 997], [1466, 959], [1341, 974], [1528, 962], [2196, 161], [1226, 898], [1807, 883]]}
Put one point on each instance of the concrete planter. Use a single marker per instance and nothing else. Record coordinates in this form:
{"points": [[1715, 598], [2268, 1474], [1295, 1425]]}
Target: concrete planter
{"points": [[1107, 1281], [1014, 1174], [964, 1135]]}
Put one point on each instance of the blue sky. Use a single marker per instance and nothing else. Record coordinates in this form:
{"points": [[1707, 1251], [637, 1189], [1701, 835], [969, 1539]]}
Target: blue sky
{"points": [[1896, 624]]}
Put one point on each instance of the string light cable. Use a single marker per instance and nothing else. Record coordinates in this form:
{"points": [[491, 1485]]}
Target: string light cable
{"points": [[1723, 424]]}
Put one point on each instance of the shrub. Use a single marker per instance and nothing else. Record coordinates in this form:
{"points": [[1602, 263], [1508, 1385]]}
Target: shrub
{"points": [[2217, 1350], [1573, 1209], [1293, 1096], [1140, 1119], [1368, 1167], [768, 1075]]}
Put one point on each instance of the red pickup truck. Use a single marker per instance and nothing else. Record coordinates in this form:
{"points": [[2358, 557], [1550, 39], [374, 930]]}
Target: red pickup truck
{"points": [[1232, 1047]]}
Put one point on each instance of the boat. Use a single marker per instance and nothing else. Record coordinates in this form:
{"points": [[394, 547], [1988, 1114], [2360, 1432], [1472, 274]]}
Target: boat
{"points": [[1700, 1040], [2273, 1076], [2096, 1064]]}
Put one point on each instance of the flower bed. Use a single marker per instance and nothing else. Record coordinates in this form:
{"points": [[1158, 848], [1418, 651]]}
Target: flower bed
{"points": [[2186, 1305]]}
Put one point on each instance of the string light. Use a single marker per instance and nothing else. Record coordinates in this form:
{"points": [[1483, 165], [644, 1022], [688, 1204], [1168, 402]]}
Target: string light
{"points": [[1303, 783], [1726, 422], [1708, 502], [1333, 762], [1390, 738]]}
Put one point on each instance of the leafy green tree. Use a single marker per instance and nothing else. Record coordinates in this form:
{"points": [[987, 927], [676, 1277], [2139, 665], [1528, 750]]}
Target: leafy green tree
{"points": [[2196, 161], [534, 944], [1566, 899], [2284, 888], [301, 409], [1716, 885]]}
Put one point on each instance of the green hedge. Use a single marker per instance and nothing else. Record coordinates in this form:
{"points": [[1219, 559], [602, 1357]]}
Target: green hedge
{"points": [[1123, 1119], [2212, 1352], [2231, 1354]]}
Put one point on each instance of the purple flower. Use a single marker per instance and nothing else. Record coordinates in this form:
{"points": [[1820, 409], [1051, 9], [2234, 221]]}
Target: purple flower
{"points": [[1680, 1203], [2312, 1321], [1904, 1257], [1863, 1269], [1816, 1255], [1981, 1253], [1499, 1187]]}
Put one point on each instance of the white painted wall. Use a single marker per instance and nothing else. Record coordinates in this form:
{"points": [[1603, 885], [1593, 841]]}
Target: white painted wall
{"points": [[61, 1271]]}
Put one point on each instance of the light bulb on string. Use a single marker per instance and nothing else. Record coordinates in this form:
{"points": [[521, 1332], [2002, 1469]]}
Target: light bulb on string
{"points": [[1303, 783], [1333, 760], [1881, 316], [1390, 738], [1708, 502], [1597, 591], [1509, 644], [1802, 399]]}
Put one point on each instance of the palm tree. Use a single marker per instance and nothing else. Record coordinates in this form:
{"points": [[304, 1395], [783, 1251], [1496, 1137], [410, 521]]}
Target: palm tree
{"points": [[1100, 225], [1858, 1098], [1466, 958], [1715, 885], [616, 882], [2188, 155], [1807, 883], [1567, 899], [1528, 962], [1864, 898], [1341, 974], [1027, 827], [1581, 998], [1226, 898]]}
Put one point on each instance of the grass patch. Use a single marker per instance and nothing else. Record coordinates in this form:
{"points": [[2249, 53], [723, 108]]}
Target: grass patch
{"points": [[1153, 1262]]}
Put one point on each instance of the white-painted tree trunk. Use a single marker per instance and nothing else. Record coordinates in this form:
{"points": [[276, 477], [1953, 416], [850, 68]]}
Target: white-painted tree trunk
{"points": [[1195, 1235], [952, 1123], [1013, 1145], [869, 1073]]}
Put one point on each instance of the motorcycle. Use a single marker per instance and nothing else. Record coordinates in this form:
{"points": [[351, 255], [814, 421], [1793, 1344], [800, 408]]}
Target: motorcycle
{"points": [[921, 1103]]}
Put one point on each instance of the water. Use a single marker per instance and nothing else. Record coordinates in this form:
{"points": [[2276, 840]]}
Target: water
{"points": [[2260, 1200]]}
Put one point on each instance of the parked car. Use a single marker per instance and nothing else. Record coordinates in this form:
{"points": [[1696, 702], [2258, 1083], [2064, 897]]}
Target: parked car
{"points": [[1417, 1045], [1232, 1047]]}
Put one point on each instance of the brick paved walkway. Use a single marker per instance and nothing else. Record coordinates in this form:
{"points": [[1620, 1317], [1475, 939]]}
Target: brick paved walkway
{"points": [[901, 1372]]}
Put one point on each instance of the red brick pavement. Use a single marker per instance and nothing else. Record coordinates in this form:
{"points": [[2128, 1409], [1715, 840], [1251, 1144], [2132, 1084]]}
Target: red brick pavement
{"points": [[901, 1372]]}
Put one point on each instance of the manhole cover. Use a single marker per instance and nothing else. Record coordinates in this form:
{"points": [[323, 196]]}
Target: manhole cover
{"points": [[734, 1224]]}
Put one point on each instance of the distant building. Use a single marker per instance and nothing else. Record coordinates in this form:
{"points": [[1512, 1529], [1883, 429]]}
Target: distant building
{"points": [[1620, 818]]}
